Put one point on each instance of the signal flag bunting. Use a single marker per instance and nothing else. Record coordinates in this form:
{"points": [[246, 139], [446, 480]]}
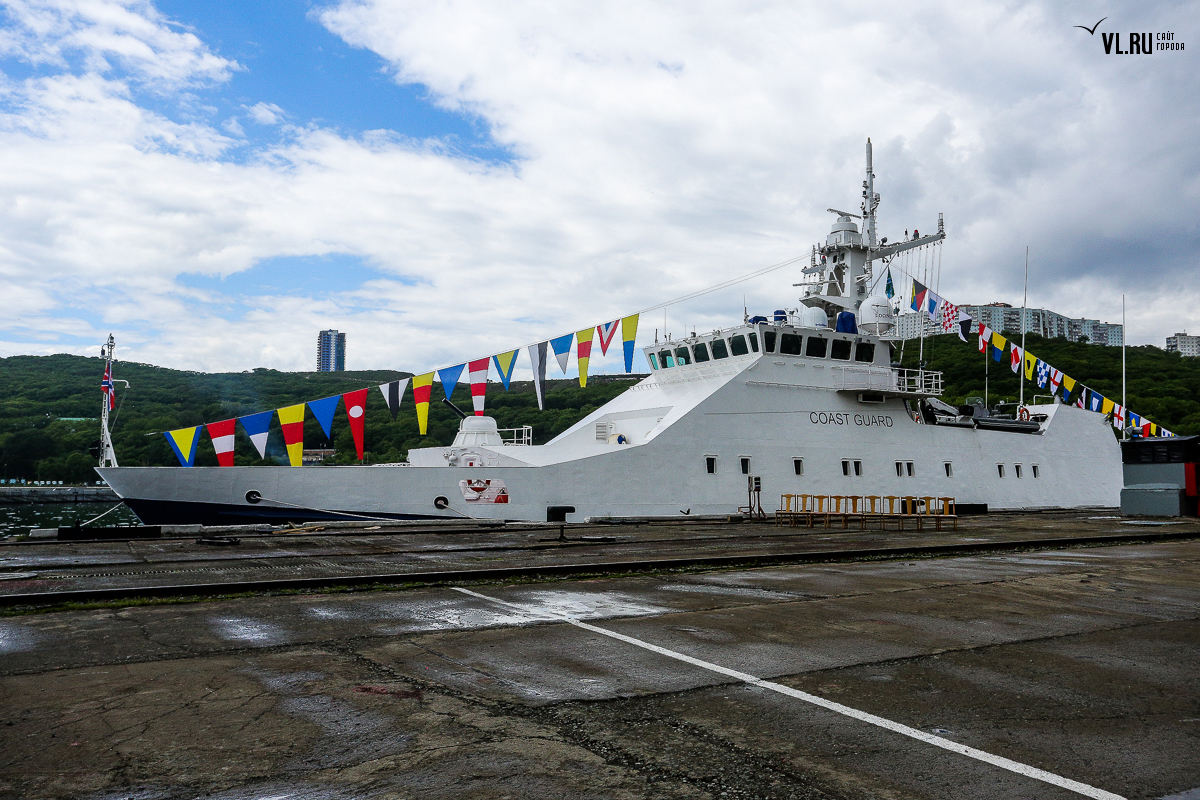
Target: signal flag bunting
{"points": [[222, 434]]}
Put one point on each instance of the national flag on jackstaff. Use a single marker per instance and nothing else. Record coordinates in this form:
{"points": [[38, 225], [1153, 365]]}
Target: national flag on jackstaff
{"points": [[393, 393], [291, 420], [257, 427], [356, 414], [222, 434], [106, 386], [477, 373], [183, 441], [628, 335], [889, 289], [422, 386]]}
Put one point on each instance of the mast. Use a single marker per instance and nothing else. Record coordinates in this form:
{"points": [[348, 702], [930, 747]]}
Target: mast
{"points": [[1024, 314], [1124, 425], [108, 456]]}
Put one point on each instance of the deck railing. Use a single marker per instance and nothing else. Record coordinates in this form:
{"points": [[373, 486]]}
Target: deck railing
{"points": [[902, 381], [522, 436]]}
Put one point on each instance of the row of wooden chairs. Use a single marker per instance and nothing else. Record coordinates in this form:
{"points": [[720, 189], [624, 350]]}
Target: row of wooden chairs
{"points": [[827, 509]]}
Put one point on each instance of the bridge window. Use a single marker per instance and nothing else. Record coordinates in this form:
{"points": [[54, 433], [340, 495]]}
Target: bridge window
{"points": [[815, 347], [798, 465], [840, 349], [666, 359], [683, 356], [865, 352], [701, 352], [753, 337], [710, 464], [737, 345], [653, 360], [769, 341], [789, 344], [719, 349]]}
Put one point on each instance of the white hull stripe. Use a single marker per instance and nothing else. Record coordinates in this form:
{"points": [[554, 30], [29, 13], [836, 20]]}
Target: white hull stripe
{"points": [[862, 716]]}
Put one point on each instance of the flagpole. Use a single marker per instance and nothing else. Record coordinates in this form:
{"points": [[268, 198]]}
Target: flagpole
{"points": [[1125, 409], [1024, 312]]}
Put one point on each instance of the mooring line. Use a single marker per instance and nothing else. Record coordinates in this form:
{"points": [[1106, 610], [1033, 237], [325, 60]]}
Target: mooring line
{"points": [[887, 724]]}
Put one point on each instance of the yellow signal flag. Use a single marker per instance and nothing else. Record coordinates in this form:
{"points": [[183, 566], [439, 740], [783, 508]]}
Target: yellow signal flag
{"points": [[422, 385]]}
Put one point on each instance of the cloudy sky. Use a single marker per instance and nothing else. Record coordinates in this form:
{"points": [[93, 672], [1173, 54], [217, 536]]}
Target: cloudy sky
{"points": [[215, 181]]}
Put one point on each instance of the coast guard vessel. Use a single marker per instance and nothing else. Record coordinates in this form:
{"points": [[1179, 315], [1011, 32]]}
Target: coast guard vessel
{"points": [[807, 402]]}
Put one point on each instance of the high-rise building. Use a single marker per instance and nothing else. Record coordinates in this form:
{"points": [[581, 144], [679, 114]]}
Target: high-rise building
{"points": [[1003, 317], [1183, 344], [331, 351]]}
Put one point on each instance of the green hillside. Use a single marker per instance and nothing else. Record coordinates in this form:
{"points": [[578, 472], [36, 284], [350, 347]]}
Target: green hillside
{"points": [[1162, 386], [39, 440]]}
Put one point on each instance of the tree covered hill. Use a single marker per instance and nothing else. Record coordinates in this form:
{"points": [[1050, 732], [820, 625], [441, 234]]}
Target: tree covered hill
{"points": [[1162, 386], [49, 413], [50, 407]]}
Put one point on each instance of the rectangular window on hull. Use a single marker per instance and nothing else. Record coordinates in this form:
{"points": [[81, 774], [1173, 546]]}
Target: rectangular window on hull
{"points": [[949, 470], [745, 466], [1017, 471], [753, 337], [840, 349], [1000, 470], [798, 465], [701, 353], [865, 352], [789, 344], [737, 345], [719, 349], [1037, 471], [904, 469], [846, 467], [710, 464], [908, 467], [769, 341], [815, 348], [858, 469]]}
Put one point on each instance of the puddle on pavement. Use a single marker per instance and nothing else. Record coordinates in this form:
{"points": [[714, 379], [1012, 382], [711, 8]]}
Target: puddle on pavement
{"points": [[17, 638], [250, 631], [731, 591]]}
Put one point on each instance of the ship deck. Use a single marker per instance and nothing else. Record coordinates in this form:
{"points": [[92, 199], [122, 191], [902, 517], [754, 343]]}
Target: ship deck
{"points": [[845, 678]]}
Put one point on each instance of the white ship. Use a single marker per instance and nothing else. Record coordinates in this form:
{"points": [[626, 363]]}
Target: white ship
{"points": [[789, 401]]}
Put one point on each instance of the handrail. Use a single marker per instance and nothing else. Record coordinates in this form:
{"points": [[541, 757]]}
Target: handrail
{"points": [[521, 437], [921, 382]]}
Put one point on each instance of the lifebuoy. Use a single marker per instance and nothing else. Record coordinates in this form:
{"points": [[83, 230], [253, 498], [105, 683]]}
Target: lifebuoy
{"points": [[1023, 414]]}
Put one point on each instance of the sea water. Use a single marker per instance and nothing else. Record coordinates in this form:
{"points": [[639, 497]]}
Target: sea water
{"points": [[17, 519]]}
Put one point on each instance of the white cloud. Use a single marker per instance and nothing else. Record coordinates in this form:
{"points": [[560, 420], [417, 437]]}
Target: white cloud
{"points": [[659, 149], [265, 113]]}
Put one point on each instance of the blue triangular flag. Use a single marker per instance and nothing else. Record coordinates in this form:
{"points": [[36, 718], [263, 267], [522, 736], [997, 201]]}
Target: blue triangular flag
{"points": [[323, 410], [562, 350], [449, 378], [257, 426]]}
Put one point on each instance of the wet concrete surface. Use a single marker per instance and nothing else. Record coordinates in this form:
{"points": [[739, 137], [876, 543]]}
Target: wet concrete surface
{"points": [[44, 567], [1081, 662]]}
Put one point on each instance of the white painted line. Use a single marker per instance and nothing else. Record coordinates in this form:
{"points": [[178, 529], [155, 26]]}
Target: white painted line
{"points": [[854, 713]]}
